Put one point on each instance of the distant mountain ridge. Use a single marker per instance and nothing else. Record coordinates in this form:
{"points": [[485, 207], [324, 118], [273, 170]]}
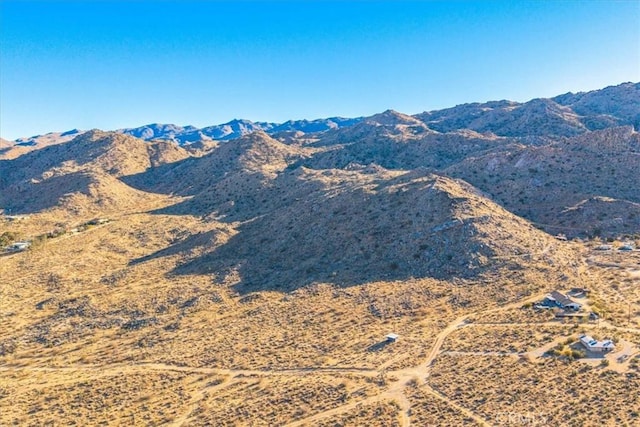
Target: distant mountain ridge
{"points": [[234, 129], [564, 115], [189, 134]]}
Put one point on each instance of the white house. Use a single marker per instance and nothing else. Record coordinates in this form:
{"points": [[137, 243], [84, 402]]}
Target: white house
{"points": [[596, 346]]}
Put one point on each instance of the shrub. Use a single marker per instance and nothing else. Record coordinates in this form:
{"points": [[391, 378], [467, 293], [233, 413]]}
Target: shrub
{"points": [[8, 237], [38, 242], [578, 354]]}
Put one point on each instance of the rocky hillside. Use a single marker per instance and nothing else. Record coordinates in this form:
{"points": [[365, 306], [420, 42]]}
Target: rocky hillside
{"points": [[288, 224], [371, 224], [611, 106], [584, 185], [89, 165], [235, 179], [565, 115]]}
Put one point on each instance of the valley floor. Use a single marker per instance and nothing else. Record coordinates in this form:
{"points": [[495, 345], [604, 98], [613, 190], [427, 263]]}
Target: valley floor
{"points": [[418, 394], [90, 337]]}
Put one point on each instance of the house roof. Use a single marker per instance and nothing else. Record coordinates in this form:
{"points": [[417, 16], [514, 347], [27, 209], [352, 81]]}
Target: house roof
{"points": [[591, 342], [562, 299]]}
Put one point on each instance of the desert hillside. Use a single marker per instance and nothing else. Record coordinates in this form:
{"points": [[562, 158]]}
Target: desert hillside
{"points": [[583, 186], [357, 226], [81, 174]]}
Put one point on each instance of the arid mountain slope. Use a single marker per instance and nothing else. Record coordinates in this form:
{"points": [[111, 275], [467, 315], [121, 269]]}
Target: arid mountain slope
{"points": [[13, 149], [234, 179], [88, 165], [295, 225], [585, 185], [541, 182], [613, 105], [532, 122], [392, 148], [40, 141], [358, 226], [536, 117], [564, 115]]}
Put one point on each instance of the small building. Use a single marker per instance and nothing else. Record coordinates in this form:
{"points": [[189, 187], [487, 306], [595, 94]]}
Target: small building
{"points": [[557, 299], [392, 337], [596, 346]]}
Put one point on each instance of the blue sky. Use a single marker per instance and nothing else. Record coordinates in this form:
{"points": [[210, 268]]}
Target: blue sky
{"points": [[106, 64]]}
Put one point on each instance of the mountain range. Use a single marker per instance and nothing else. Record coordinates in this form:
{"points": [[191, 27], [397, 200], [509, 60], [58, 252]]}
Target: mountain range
{"points": [[190, 134], [564, 115], [568, 164]]}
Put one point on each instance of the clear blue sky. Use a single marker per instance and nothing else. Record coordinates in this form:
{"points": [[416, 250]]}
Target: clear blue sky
{"points": [[105, 64]]}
